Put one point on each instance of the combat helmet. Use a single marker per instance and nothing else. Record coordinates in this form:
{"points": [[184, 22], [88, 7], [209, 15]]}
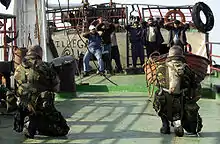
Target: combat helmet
{"points": [[175, 51], [35, 50]]}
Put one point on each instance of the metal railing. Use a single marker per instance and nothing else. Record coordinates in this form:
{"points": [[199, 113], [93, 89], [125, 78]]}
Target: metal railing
{"points": [[213, 55]]}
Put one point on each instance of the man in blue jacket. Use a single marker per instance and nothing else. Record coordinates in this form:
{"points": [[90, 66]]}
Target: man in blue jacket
{"points": [[94, 48]]}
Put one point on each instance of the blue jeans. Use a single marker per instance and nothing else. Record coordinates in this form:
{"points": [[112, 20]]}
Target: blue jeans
{"points": [[98, 54]]}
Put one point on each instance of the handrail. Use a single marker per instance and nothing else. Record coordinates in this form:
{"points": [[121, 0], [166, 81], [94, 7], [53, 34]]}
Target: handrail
{"points": [[213, 55]]}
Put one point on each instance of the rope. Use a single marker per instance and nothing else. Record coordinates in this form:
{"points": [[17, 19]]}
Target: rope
{"points": [[37, 24], [151, 62], [151, 81], [77, 68], [155, 77], [29, 38]]}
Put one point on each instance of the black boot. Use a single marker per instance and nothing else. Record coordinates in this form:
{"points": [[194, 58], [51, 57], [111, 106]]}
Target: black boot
{"points": [[165, 129], [178, 129], [85, 74], [31, 127]]}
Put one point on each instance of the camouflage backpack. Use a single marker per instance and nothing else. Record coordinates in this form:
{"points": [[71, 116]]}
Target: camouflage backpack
{"points": [[33, 77]]}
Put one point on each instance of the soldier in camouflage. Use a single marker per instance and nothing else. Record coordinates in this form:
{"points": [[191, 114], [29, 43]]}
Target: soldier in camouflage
{"points": [[176, 103], [36, 83]]}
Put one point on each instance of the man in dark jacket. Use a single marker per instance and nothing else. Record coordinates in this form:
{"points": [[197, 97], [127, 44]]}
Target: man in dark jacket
{"points": [[137, 42], [115, 54], [153, 37], [177, 33], [106, 28]]}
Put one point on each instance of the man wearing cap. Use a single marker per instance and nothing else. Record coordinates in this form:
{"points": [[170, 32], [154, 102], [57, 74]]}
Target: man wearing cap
{"points": [[153, 36], [36, 83], [137, 42], [94, 48], [177, 33]]}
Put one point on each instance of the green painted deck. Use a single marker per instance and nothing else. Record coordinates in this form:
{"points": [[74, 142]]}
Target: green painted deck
{"points": [[113, 116]]}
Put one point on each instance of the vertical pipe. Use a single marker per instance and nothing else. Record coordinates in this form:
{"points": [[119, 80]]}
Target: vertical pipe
{"points": [[37, 24], [44, 31], [54, 17], [5, 43], [151, 15], [207, 45], [127, 42], [139, 12], [15, 41], [210, 57], [24, 16], [160, 12], [122, 15], [208, 51], [143, 14]]}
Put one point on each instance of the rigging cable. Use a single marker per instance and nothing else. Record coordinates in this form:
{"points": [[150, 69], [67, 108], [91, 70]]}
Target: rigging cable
{"points": [[37, 24], [77, 68]]}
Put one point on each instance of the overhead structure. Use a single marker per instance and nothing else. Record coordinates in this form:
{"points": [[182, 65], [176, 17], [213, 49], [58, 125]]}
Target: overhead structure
{"points": [[63, 6]]}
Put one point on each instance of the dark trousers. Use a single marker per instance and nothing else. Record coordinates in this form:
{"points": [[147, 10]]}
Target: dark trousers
{"points": [[116, 56], [106, 56], [151, 47], [137, 51]]}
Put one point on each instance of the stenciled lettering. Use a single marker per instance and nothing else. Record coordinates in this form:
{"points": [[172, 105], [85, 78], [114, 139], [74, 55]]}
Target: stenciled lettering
{"points": [[62, 44], [81, 44]]}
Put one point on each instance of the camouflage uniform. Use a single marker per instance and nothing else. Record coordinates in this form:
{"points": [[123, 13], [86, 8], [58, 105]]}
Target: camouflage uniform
{"points": [[36, 83], [177, 103]]}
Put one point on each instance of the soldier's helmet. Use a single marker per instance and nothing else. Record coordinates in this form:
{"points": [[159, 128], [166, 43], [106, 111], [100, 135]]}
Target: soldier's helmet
{"points": [[35, 50], [175, 51]]}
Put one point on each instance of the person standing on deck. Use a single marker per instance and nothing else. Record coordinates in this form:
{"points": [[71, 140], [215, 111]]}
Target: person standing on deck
{"points": [[137, 42], [115, 54], [94, 48], [153, 37], [177, 33], [106, 28]]}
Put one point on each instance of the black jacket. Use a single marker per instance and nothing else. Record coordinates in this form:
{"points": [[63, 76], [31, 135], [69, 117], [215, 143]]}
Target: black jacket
{"points": [[182, 34], [159, 37], [106, 35]]}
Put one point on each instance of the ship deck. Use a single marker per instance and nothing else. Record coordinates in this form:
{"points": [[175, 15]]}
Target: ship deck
{"points": [[102, 113]]}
